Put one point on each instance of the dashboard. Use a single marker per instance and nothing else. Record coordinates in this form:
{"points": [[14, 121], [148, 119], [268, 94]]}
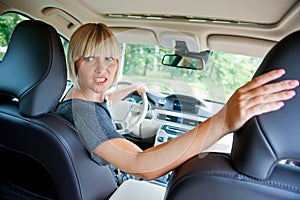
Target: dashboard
{"points": [[169, 116], [177, 114], [174, 114], [182, 104]]}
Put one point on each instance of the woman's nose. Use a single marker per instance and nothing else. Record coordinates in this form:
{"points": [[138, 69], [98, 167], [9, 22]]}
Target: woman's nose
{"points": [[100, 65]]}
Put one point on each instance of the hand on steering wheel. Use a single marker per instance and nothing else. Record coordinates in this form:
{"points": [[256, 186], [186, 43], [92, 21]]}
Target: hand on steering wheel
{"points": [[128, 115]]}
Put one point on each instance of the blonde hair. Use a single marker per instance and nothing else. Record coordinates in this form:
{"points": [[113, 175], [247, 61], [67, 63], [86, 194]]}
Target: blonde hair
{"points": [[88, 40]]}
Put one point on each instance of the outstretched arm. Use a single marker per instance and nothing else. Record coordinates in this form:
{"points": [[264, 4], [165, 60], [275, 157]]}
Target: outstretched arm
{"points": [[120, 93], [252, 99]]}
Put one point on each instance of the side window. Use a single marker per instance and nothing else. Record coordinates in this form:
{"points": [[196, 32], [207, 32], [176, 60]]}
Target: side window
{"points": [[8, 22], [65, 44]]}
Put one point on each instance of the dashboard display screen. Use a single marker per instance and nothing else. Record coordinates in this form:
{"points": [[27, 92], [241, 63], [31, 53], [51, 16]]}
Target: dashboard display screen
{"points": [[184, 105]]}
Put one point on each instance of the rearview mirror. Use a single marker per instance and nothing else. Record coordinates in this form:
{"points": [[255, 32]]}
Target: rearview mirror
{"points": [[188, 60]]}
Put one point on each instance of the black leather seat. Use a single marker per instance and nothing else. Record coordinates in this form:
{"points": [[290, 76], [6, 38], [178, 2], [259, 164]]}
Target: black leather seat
{"points": [[252, 170], [41, 155]]}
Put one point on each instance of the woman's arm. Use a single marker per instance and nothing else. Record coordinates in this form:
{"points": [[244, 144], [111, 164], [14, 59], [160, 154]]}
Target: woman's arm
{"points": [[159, 160], [118, 94], [252, 99]]}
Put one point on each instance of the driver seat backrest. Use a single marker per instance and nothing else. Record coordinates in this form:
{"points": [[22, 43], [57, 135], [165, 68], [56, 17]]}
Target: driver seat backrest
{"points": [[41, 155], [253, 169]]}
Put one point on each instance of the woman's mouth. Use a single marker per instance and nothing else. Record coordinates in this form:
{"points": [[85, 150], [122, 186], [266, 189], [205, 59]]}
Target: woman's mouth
{"points": [[100, 80]]}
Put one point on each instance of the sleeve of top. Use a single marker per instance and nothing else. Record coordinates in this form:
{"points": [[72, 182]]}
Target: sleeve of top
{"points": [[94, 124]]}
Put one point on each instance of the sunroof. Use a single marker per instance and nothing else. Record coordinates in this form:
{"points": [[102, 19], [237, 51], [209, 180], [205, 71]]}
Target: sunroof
{"points": [[190, 19]]}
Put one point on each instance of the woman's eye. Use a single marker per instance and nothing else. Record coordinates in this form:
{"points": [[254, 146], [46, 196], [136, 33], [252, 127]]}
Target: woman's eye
{"points": [[89, 58], [109, 58]]}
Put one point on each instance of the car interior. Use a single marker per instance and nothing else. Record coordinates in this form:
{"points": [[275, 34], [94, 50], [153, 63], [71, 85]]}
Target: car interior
{"points": [[41, 154], [252, 170], [43, 137]]}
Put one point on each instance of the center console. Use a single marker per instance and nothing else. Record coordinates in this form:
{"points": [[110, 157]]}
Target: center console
{"points": [[174, 124]]}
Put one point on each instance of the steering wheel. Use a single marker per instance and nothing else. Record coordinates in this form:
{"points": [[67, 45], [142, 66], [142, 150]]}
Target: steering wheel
{"points": [[127, 115]]}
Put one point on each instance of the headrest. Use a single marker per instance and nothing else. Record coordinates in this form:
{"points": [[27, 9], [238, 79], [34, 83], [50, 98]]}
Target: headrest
{"points": [[34, 68], [266, 139]]}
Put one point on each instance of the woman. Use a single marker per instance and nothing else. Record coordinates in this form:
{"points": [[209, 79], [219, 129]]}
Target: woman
{"points": [[94, 67]]}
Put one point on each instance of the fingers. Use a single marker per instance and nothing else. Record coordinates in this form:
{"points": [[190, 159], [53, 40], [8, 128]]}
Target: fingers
{"points": [[258, 97], [141, 88], [268, 92], [263, 79], [264, 108], [270, 102], [258, 92]]}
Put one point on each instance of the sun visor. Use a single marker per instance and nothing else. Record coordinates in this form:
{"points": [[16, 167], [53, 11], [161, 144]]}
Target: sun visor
{"points": [[168, 40], [135, 35], [240, 45]]}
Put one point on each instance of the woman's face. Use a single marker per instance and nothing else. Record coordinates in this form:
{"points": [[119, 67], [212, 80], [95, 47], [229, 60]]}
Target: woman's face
{"points": [[96, 74]]}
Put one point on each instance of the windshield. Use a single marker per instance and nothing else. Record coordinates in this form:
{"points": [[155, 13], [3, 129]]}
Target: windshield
{"points": [[223, 75]]}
